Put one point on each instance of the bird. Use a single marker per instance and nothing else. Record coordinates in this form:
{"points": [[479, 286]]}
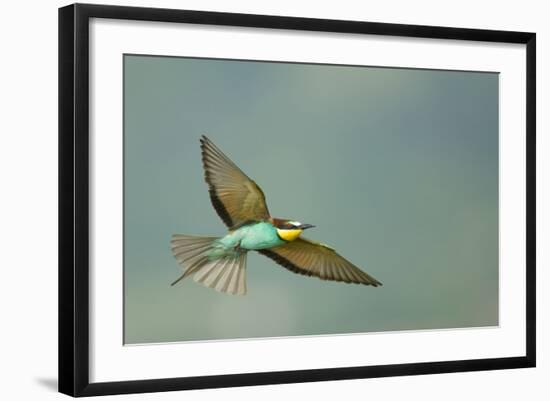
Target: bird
{"points": [[220, 262]]}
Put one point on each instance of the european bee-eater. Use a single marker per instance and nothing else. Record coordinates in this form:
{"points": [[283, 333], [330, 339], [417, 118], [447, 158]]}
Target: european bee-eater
{"points": [[220, 262]]}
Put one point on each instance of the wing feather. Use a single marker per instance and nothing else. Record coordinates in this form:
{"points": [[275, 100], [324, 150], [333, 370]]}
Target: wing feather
{"points": [[236, 198], [311, 258]]}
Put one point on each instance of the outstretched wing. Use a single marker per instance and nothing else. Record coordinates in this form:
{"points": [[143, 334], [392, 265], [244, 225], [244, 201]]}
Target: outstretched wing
{"points": [[236, 198], [315, 259]]}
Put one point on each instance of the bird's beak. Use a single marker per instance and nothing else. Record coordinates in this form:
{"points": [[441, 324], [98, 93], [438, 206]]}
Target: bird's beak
{"points": [[306, 226]]}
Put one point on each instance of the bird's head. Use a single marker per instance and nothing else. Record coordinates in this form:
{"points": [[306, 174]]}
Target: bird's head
{"points": [[289, 230]]}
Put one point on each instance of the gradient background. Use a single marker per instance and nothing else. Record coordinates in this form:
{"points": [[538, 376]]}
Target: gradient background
{"points": [[397, 168]]}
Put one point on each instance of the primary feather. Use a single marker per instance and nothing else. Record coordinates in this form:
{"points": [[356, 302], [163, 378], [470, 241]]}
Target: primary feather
{"points": [[311, 258], [236, 198]]}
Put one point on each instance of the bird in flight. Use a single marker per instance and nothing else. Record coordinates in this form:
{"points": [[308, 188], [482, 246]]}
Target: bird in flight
{"points": [[220, 262]]}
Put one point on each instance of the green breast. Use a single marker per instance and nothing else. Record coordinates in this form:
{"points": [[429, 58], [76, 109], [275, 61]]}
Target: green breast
{"points": [[256, 236]]}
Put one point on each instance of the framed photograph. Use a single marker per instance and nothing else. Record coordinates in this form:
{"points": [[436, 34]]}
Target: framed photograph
{"points": [[252, 199]]}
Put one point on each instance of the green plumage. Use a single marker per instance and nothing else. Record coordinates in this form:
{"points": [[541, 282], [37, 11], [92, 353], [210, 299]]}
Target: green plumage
{"points": [[251, 237]]}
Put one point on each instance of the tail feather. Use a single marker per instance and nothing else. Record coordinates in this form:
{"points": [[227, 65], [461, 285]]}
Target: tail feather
{"points": [[225, 273], [232, 274]]}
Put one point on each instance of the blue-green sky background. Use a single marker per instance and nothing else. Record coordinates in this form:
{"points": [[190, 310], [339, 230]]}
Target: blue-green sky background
{"points": [[397, 168]]}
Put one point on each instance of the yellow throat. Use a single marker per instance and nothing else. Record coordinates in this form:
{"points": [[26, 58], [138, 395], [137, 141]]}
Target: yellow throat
{"points": [[289, 235]]}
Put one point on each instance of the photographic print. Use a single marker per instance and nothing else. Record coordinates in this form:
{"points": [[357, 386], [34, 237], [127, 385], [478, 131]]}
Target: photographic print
{"points": [[393, 172], [250, 199]]}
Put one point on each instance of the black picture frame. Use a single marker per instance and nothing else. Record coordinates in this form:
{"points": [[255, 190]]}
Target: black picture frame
{"points": [[74, 194]]}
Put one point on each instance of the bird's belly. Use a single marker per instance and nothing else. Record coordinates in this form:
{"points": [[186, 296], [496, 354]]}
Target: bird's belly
{"points": [[260, 236]]}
